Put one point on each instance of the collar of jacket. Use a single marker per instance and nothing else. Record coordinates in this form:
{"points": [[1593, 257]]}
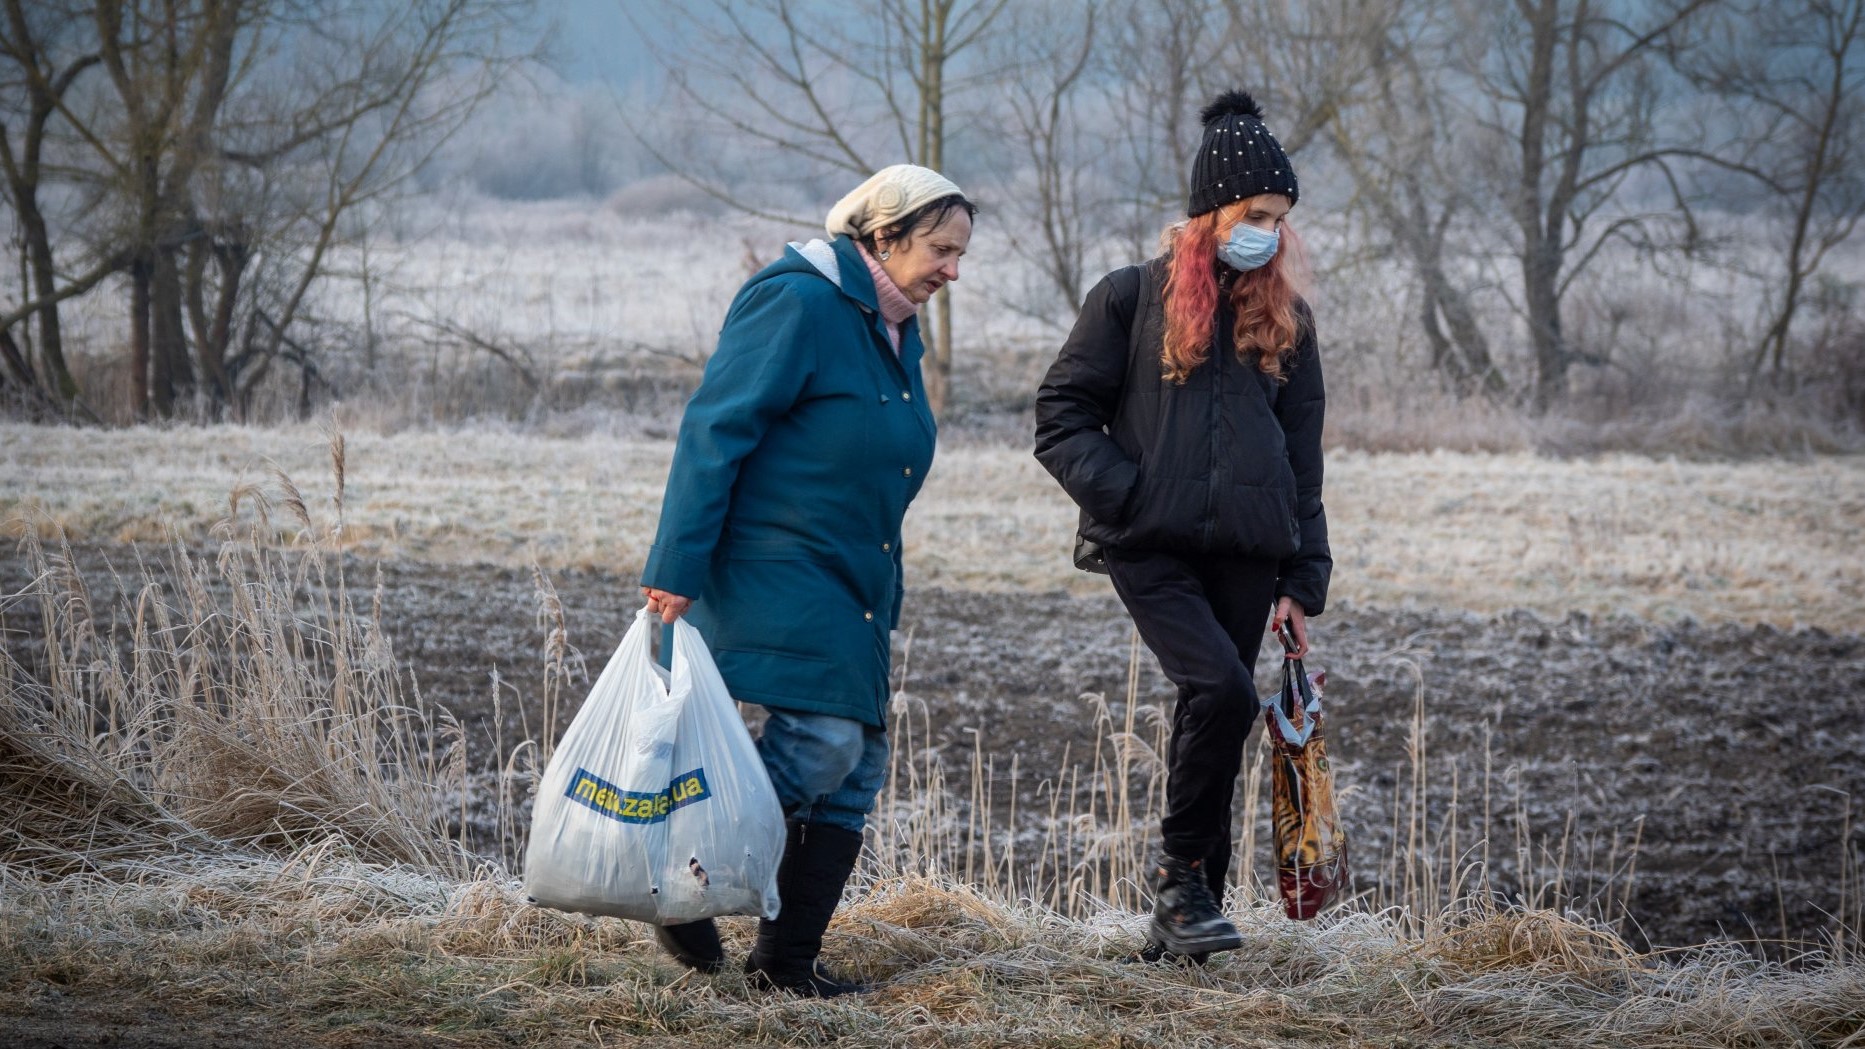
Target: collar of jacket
{"points": [[858, 285]]}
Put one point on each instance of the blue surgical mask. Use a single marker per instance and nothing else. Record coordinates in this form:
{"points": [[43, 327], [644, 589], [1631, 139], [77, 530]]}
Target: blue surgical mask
{"points": [[1247, 247]]}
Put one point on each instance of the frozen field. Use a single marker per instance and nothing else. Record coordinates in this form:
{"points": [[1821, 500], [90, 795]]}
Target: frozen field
{"points": [[1625, 685]]}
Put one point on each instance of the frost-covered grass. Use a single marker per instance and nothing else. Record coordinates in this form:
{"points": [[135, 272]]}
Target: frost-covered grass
{"points": [[1771, 540], [343, 953], [234, 826]]}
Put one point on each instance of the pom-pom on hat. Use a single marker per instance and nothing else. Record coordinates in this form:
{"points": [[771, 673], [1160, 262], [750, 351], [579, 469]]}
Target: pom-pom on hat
{"points": [[888, 196], [1238, 158]]}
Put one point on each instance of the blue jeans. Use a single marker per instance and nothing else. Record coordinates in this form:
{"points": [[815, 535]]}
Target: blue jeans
{"points": [[826, 769]]}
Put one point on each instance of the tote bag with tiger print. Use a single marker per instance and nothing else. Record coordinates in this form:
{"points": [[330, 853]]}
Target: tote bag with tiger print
{"points": [[1310, 843]]}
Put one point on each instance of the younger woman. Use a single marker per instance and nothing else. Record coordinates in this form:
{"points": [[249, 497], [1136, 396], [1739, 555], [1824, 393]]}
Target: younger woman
{"points": [[1183, 415]]}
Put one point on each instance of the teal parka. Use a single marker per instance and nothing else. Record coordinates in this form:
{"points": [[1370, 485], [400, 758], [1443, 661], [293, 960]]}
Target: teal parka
{"points": [[797, 457]]}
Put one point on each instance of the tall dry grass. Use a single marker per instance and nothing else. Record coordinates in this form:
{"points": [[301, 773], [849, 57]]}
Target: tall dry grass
{"points": [[271, 718], [239, 802]]}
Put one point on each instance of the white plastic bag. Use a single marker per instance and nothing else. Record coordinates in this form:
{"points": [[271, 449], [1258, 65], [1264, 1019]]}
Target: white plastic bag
{"points": [[656, 805]]}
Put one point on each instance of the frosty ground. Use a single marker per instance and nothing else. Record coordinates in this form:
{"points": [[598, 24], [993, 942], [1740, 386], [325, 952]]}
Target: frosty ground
{"points": [[1566, 695], [1699, 775]]}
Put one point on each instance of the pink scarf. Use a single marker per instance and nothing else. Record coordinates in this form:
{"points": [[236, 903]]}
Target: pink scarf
{"points": [[895, 306]]}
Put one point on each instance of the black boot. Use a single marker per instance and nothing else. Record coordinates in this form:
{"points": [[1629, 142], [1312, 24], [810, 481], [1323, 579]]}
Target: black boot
{"points": [[818, 859], [693, 944], [1216, 868], [1186, 919]]}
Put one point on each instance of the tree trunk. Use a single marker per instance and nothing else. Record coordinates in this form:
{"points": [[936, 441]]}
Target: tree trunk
{"points": [[174, 375], [194, 298], [1464, 356], [16, 363], [1774, 344], [1443, 361], [1466, 360], [934, 15], [1540, 248], [1541, 267], [139, 338], [44, 89], [231, 261], [939, 354], [57, 374]]}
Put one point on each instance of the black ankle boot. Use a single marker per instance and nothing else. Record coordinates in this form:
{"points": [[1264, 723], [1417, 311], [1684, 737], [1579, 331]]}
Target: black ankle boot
{"points": [[1186, 918], [693, 944], [818, 859]]}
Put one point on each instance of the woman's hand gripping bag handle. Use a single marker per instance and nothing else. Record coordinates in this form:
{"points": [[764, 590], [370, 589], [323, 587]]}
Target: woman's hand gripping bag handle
{"points": [[725, 828], [1310, 843], [656, 806]]}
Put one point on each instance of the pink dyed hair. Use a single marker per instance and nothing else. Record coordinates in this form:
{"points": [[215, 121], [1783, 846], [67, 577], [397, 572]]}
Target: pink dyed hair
{"points": [[1263, 299]]}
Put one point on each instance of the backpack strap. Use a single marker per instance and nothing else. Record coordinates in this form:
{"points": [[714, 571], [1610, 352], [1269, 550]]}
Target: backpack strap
{"points": [[1139, 301]]}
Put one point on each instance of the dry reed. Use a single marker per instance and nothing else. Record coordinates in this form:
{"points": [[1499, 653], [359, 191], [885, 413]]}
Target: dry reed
{"points": [[230, 805]]}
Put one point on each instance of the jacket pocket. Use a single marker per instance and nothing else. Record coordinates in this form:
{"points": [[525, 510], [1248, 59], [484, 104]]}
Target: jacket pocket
{"points": [[1167, 513], [1258, 521], [1108, 497]]}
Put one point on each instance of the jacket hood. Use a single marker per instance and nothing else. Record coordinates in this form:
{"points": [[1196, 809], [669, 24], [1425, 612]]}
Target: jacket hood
{"points": [[839, 261], [841, 256]]}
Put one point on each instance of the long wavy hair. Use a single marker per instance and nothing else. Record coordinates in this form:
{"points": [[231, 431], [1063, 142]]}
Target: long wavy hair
{"points": [[1263, 300]]}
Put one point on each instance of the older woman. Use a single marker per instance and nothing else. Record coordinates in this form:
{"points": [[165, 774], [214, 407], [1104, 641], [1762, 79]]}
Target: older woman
{"points": [[1183, 415], [780, 531]]}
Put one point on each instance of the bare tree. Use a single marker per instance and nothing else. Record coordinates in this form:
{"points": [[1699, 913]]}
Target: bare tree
{"points": [[371, 103], [171, 66], [1402, 143], [213, 150], [1305, 59], [1795, 72], [837, 91], [1054, 209], [46, 58], [1575, 88], [1302, 61]]}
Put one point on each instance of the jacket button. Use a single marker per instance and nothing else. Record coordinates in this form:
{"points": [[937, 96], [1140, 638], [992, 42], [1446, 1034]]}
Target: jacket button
{"points": [[886, 547], [908, 472], [906, 395], [868, 616]]}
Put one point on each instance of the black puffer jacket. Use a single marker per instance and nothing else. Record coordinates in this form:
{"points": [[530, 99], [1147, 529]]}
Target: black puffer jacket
{"points": [[1228, 463]]}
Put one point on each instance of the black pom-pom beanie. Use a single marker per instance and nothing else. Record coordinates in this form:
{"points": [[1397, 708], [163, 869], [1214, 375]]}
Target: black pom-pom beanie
{"points": [[1238, 158]]}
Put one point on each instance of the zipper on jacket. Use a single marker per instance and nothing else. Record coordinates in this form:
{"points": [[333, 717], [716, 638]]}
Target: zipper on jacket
{"points": [[1216, 360]]}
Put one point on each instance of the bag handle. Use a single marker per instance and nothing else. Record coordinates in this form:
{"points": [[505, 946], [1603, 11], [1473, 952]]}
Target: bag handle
{"points": [[1287, 637], [1295, 693]]}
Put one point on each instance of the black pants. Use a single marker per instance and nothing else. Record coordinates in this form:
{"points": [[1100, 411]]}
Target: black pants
{"points": [[1204, 619]]}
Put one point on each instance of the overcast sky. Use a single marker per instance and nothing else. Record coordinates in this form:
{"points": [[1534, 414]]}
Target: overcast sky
{"points": [[594, 41]]}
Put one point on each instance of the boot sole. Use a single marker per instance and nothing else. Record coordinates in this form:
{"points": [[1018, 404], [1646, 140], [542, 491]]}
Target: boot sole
{"points": [[1163, 938], [1154, 954]]}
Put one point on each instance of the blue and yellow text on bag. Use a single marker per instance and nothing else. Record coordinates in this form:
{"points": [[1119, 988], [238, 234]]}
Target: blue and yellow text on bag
{"points": [[633, 806]]}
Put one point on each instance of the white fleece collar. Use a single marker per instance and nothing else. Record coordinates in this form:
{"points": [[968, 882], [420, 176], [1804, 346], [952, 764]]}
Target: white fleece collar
{"points": [[821, 256]]}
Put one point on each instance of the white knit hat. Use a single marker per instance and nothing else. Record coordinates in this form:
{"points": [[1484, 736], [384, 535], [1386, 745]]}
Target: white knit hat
{"points": [[889, 194]]}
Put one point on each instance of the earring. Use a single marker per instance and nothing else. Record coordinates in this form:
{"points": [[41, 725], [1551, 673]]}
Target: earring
{"points": [[885, 255]]}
